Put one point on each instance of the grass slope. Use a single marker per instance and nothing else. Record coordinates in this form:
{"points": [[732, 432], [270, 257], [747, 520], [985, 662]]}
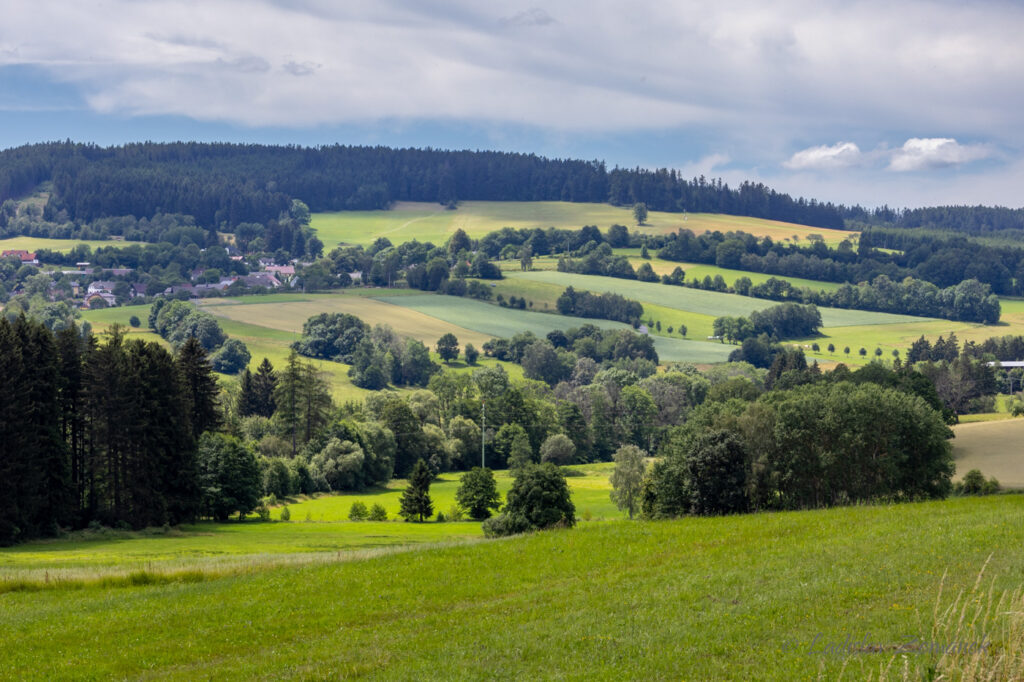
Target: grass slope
{"points": [[994, 447], [744, 597], [431, 222]]}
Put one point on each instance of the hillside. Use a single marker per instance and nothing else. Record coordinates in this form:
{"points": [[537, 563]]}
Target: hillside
{"points": [[743, 597]]}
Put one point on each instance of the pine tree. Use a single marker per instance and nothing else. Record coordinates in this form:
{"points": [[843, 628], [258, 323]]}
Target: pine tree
{"points": [[416, 502], [287, 396], [246, 404]]}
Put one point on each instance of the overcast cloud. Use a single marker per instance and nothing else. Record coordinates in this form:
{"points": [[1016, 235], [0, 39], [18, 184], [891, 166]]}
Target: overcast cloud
{"points": [[792, 92]]}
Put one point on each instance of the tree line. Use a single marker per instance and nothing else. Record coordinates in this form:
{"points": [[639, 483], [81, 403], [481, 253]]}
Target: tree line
{"points": [[229, 184]]}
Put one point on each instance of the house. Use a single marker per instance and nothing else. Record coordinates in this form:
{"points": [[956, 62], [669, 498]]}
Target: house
{"points": [[261, 279], [93, 300], [26, 257], [138, 289], [356, 275], [101, 287], [283, 272]]}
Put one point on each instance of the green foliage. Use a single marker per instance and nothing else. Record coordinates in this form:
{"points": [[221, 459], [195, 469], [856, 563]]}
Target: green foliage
{"points": [[539, 499], [627, 478], [231, 358], [286, 515], [640, 213], [378, 513], [974, 483], [448, 347], [134, 321], [229, 476], [416, 503], [558, 449], [478, 493], [358, 511]]}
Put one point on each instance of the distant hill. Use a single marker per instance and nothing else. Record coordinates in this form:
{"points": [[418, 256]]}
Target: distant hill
{"points": [[227, 184]]}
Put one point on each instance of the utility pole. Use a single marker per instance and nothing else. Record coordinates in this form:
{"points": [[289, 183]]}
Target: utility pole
{"points": [[483, 432]]}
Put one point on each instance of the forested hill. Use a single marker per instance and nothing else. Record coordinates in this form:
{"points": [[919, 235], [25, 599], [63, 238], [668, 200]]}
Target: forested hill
{"points": [[227, 184]]}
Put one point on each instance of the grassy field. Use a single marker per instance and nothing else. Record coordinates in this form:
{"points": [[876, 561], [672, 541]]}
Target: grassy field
{"points": [[433, 223], [319, 525], [743, 597], [496, 321], [996, 448], [590, 493], [61, 245]]}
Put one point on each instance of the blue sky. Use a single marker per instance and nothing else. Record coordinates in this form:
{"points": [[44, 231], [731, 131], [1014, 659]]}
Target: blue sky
{"points": [[866, 102]]}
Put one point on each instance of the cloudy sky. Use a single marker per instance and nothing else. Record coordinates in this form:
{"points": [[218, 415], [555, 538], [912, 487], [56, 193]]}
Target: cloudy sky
{"points": [[909, 103]]}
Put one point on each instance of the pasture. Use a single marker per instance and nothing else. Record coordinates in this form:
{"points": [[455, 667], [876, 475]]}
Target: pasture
{"points": [[996, 448], [765, 596], [433, 223], [698, 271]]}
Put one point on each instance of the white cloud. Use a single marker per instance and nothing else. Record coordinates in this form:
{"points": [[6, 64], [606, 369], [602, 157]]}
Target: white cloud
{"points": [[839, 155], [935, 152], [704, 166]]}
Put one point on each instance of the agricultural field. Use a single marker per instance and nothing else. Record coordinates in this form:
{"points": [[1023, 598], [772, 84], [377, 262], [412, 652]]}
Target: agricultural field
{"points": [[712, 303], [698, 271], [996, 448], [736, 597], [61, 245], [433, 223], [496, 321]]}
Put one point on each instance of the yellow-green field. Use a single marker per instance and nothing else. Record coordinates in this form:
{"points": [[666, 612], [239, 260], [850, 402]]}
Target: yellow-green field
{"points": [[698, 271], [996, 448], [434, 223], [61, 245]]}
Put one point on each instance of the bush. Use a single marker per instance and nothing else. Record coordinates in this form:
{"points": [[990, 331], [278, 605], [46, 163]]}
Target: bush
{"points": [[358, 512], [503, 524], [286, 515], [539, 499], [134, 321], [378, 513], [263, 511], [441, 518]]}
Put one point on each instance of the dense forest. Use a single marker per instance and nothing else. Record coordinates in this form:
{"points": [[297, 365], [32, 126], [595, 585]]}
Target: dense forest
{"points": [[227, 184]]}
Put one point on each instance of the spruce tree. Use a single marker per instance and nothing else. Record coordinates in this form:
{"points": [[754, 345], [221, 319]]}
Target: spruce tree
{"points": [[200, 386], [264, 382], [416, 503]]}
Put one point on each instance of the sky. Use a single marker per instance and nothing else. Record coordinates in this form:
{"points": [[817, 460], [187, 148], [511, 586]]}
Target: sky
{"points": [[906, 104]]}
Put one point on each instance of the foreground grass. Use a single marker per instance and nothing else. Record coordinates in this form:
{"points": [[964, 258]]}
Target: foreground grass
{"points": [[749, 597]]}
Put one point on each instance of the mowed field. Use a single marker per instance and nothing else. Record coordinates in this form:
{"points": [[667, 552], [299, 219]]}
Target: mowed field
{"points": [[739, 597], [996, 448], [61, 245], [433, 223]]}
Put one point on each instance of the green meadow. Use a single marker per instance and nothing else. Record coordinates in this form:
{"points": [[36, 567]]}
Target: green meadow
{"points": [[433, 223], [784, 596]]}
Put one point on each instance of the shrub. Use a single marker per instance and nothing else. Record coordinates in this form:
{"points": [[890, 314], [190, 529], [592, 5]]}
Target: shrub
{"points": [[455, 513], [134, 321], [263, 512], [378, 512], [358, 512], [286, 515], [503, 524], [441, 518]]}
